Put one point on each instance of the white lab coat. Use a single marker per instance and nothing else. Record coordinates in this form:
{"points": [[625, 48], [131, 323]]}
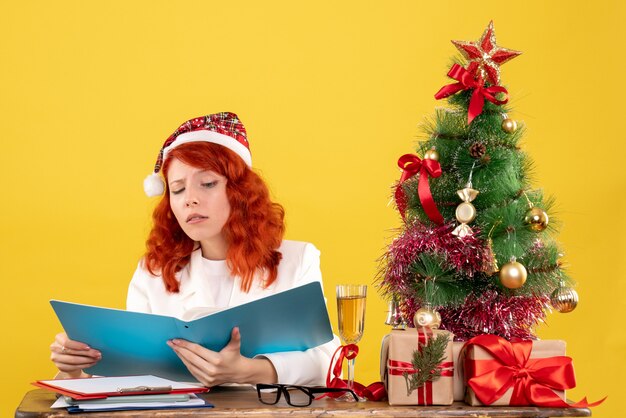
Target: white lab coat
{"points": [[299, 265]]}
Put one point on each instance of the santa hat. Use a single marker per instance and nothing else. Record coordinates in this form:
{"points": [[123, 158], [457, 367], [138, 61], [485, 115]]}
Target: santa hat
{"points": [[222, 128]]}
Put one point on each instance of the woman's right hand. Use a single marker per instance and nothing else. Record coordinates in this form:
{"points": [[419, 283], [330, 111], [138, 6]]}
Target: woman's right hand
{"points": [[71, 357]]}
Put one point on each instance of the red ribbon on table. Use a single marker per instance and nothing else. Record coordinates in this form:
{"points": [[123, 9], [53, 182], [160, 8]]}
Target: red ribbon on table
{"points": [[533, 380], [373, 392], [411, 165], [398, 368], [466, 81]]}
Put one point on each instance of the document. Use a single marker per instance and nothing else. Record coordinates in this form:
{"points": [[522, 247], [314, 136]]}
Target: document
{"points": [[118, 387], [135, 343], [128, 404]]}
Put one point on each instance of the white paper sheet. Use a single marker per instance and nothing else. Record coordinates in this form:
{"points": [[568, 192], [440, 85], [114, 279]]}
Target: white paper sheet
{"points": [[98, 385]]}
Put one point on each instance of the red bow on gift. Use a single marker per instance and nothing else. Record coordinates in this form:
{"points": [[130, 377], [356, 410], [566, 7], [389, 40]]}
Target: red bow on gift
{"points": [[411, 165], [533, 380], [374, 392], [466, 82]]}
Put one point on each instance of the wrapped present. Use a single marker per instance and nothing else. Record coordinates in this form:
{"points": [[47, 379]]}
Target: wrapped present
{"points": [[458, 380], [384, 355], [499, 372], [401, 378]]}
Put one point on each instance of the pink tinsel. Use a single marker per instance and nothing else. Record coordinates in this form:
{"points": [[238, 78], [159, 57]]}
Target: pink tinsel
{"points": [[511, 317], [466, 255], [485, 310]]}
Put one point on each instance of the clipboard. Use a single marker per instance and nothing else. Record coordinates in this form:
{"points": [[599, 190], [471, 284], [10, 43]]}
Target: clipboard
{"points": [[107, 387], [134, 343]]}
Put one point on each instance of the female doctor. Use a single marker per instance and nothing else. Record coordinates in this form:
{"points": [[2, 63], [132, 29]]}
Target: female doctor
{"points": [[217, 241]]}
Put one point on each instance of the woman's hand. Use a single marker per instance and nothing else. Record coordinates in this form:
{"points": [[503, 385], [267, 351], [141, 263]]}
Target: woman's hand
{"points": [[71, 357], [213, 368]]}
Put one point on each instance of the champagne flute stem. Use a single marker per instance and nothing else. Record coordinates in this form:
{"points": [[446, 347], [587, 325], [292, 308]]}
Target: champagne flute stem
{"points": [[351, 374]]}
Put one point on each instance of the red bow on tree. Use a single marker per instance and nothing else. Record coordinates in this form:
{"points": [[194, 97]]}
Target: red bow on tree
{"points": [[411, 165], [533, 380], [466, 81]]}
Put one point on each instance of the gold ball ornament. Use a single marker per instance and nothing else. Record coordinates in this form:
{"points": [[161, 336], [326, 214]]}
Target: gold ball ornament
{"points": [[564, 299], [513, 275], [431, 154], [509, 126], [536, 219], [426, 317]]}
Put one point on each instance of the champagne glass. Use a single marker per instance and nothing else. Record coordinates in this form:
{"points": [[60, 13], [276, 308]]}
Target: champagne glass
{"points": [[351, 316]]}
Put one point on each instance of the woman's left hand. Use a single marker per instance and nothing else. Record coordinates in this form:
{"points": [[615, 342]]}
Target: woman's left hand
{"points": [[213, 368]]}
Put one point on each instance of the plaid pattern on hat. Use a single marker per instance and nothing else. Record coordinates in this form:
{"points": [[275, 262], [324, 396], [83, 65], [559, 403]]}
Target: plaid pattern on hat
{"points": [[225, 123]]}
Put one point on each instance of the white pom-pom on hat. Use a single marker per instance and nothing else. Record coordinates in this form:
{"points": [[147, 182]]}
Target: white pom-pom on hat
{"points": [[222, 128], [153, 185]]}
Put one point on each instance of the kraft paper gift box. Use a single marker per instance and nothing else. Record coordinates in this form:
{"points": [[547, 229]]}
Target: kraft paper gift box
{"points": [[458, 379], [396, 355], [475, 353]]}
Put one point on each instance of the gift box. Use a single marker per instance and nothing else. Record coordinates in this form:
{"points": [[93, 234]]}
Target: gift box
{"points": [[458, 380], [397, 368], [499, 372]]}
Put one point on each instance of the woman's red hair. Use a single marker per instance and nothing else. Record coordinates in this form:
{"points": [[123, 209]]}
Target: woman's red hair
{"points": [[254, 229]]}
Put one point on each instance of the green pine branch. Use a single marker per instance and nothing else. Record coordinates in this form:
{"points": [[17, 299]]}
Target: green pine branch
{"points": [[436, 281], [426, 361]]}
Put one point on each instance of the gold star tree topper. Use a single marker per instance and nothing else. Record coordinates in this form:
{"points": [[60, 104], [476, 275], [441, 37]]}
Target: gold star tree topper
{"points": [[485, 57]]}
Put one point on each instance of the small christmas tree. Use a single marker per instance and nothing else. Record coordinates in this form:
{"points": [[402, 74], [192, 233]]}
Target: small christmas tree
{"points": [[476, 251]]}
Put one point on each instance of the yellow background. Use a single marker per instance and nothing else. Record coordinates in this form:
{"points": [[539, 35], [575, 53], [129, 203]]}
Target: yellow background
{"points": [[331, 93]]}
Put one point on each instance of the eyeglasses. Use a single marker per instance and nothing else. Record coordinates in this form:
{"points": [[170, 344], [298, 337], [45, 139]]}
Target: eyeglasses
{"points": [[295, 395]]}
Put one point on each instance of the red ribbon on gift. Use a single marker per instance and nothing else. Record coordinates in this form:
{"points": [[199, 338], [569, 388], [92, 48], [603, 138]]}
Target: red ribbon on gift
{"points": [[533, 380], [466, 81], [398, 368], [411, 165], [424, 392], [373, 392]]}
